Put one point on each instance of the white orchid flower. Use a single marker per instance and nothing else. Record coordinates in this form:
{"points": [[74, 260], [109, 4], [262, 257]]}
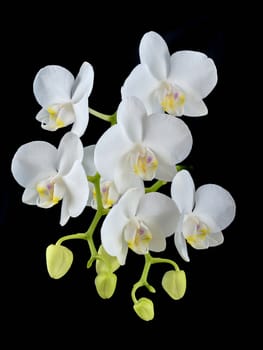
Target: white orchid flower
{"points": [[110, 190], [50, 175], [140, 222], [175, 84], [140, 145], [63, 98], [205, 213]]}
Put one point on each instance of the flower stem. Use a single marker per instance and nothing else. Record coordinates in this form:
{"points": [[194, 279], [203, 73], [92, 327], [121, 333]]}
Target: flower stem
{"points": [[149, 260], [106, 117], [88, 235], [155, 187], [73, 236], [143, 280]]}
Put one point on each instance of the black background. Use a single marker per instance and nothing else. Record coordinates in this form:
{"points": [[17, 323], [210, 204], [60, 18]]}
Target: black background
{"points": [[215, 306]]}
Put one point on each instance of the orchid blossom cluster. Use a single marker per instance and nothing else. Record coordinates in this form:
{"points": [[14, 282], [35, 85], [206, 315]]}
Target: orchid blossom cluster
{"points": [[146, 142]]}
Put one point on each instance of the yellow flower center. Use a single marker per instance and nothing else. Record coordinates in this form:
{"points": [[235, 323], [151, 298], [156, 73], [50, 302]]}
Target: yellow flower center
{"points": [[172, 99], [144, 162], [138, 236], [46, 191], [109, 195], [195, 231], [59, 116]]}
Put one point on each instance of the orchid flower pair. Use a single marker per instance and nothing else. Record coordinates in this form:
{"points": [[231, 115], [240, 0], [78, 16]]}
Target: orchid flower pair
{"points": [[146, 142]]}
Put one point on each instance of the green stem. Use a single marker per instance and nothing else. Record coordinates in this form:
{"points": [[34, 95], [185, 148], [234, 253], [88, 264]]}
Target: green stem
{"points": [[73, 236], [143, 280], [155, 187], [106, 117], [88, 235], [149, 260], [99, 213]]}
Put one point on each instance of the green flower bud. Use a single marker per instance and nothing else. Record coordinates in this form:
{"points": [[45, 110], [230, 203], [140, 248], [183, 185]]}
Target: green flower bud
{"points": [[174, 283], [59, 260], [107, 263], [106, 284], [144, 309]]}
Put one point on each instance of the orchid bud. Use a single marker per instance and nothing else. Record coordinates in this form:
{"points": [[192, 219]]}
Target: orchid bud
{"points": [[106, 284], [107, 263], [58, 260], [174, 283], [144, 309]]}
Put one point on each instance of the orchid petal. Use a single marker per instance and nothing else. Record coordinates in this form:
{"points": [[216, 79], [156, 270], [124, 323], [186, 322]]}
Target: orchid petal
{"points": [[155, 55], [159, 213], [130, 115], [34, 161], [88, 160], [81, 109], [215, 239], [183, 191], [112, 228], [165, 170], [181, 245], [84, 82], [142, 84], [193, 70], [109, 149], [169, 136], [194, 107], [70, 149], [52, 85], [125, 178], [217, 203], [77, 194], [30, 196]]}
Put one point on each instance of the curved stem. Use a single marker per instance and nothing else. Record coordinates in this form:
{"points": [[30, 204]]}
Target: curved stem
{"points": [[155, 187], [109, 118], [149, 260], [73, 236], [88, 235], [143, 279]]}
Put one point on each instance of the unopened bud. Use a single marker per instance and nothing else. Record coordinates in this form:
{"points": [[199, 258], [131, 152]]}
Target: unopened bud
{"points": [[58, 260], [174, 283], [144, 309], [106, 284], [107, 263]]}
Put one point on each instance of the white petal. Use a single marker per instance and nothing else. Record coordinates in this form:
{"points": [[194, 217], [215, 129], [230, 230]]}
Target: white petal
{"points": [[216, 202], [84, 82], [30, 196], [168, 136], [81, 109], [194, 107], [77, 187], [183, 191], [142, 84], [193, 70], [34, 161], [125, 178], [215, 239], [157, 243], [64, 215], [181, 246], [109, 150], [155, 55], [70, 149], [159, 213], [112, 227], [130, 115], [52, 85], [165, 170], [43, 116], [88, 160]]}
